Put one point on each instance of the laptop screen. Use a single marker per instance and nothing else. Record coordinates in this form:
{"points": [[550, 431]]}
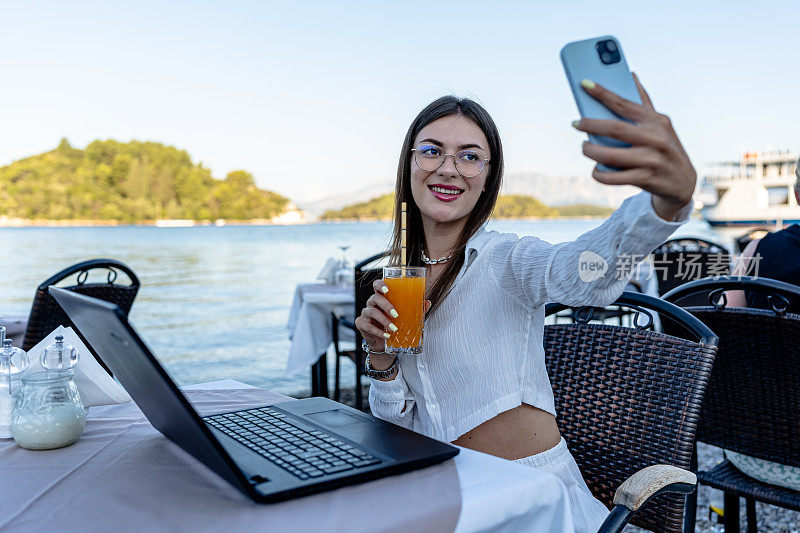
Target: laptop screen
{"points": [[113, 338]]}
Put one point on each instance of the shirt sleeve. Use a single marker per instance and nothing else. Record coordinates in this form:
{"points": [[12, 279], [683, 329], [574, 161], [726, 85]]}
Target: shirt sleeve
{"points": [[392, 401], [591, 270]]}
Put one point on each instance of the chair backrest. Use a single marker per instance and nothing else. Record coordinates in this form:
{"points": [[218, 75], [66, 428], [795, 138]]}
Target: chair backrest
{"points": [[755, 233], [679, 261], [629, 397], [752, 405], [46, 314], [364, 276]]}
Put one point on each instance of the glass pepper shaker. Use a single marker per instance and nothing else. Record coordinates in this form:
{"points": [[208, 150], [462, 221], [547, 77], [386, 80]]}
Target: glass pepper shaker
{"points": [[60, 356], [48, 411], [13, 362]]}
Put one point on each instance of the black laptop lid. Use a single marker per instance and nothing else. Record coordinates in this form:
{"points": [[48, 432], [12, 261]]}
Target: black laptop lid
{"points": [[112, 337]]}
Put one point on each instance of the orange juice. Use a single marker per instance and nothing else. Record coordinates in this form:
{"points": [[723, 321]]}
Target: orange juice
{"points": [[407, 295]]}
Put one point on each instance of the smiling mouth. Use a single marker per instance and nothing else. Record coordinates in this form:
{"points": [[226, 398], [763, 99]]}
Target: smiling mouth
{"points": [[445, 194]]}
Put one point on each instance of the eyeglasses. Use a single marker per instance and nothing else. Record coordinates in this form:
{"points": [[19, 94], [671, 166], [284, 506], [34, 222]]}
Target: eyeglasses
{"points": [[430, 157]]}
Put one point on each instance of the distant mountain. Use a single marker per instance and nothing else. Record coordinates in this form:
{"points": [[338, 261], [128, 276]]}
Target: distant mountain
{"points": [[508, 206], [129, 182], [318, 207], [566, 190], [550, 190]]}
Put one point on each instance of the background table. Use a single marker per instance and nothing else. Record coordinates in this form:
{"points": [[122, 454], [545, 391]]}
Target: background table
{"points": [[310, 329], [15, 328], [124, 475]]}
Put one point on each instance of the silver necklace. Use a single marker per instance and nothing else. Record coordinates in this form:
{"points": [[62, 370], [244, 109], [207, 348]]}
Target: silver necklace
{"points": [[428, 261]]}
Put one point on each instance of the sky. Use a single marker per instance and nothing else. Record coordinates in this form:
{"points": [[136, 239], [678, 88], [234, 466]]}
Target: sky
{"points": [[314, 98]]}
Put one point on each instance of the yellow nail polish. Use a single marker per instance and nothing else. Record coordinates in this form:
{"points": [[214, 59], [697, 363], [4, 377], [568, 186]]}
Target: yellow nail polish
{"points": [[588, 84], [393, 313], [386, 335], [384, 289], [575, 123], [392, 327]]}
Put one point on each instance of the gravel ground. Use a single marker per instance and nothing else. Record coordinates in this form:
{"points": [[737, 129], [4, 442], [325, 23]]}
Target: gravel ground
{"points": [[771, 519]]}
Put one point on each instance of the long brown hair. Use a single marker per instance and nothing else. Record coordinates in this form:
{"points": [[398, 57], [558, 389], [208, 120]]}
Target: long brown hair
{"points": [[415, 236]]}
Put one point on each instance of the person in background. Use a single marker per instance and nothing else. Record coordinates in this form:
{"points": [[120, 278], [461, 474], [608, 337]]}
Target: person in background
{"points": [[778, 256], [774, 256]]}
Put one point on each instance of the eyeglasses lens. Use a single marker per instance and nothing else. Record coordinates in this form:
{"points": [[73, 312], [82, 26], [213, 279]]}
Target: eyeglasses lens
{"points": [[468, 163]]}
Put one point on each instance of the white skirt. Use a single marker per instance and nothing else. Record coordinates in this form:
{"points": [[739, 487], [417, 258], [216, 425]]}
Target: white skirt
{"points": [[587, 511]]}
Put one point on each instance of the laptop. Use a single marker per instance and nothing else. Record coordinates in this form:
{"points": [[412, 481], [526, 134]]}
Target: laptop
{"points": [[269, 453]]}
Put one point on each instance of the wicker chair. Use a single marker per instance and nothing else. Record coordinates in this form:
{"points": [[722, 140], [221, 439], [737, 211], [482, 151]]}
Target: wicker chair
{"points": [[46, 314], [363, 287], [678, 261], [752, 405], [627, 399], [599, 314]]}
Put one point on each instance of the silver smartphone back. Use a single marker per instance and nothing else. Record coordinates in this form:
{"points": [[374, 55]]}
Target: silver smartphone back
{"points": [[600, 60]]}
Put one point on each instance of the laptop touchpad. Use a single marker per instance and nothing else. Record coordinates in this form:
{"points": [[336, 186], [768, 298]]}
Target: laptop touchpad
{"points": [[335, 418]]}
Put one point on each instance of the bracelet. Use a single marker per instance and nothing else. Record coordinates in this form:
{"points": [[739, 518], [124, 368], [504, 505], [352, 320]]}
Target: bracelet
{"points": [[379, 374], [370, 351], [371, 372]]}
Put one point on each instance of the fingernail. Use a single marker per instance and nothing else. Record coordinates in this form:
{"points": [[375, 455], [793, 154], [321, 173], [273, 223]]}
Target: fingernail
{"points": [[393, 313], [575, 123], [384, 289], [386, 335], [392, 327], [588, 84]]}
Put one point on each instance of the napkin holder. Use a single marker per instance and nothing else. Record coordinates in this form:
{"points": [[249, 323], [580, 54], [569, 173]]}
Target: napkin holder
{"points": [[95, 385]]}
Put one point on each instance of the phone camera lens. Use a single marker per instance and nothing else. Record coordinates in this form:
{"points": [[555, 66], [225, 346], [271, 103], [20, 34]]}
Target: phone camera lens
{"points": [[608, 52]]}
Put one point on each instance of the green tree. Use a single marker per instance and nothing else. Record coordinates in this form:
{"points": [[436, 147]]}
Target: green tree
{"points": [[510, 206], [129, 182]]}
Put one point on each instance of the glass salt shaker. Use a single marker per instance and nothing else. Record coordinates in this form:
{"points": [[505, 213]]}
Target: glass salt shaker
{"points": [[13, 362], [48, 411]]}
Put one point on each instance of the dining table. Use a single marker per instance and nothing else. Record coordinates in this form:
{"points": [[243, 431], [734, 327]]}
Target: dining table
{"points": [[310, 328], [123, 475], [15, 328]]}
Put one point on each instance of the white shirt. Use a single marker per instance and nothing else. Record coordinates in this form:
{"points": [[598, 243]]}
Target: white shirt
{"points": [[482, 348]]}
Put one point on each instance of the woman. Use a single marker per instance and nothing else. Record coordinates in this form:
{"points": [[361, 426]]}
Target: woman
{"points": [[481, 381]]}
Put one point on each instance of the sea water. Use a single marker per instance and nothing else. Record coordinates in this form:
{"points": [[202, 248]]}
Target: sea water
{"points": [[214, 301]]}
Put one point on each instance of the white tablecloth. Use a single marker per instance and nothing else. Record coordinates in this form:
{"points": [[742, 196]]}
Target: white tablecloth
{"points": [[310, 322], [123, 475]]}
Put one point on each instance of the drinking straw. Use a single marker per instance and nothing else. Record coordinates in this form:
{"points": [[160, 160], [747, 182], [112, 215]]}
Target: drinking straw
{"points": [[403, 236]]}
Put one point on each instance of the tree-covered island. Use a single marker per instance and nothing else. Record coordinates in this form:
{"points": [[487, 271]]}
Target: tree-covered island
{"points": [[510, 206], [130, 182]]}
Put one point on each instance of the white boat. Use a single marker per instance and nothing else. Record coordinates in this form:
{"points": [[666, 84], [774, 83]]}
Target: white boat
{"points": [[755, 191], [174, 223]]}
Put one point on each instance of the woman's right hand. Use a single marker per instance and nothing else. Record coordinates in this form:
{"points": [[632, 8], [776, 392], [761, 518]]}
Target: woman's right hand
{"points": [[374, 321]]}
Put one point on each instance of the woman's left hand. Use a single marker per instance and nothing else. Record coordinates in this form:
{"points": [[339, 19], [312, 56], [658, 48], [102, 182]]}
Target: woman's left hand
{"points": [[655, 161]]}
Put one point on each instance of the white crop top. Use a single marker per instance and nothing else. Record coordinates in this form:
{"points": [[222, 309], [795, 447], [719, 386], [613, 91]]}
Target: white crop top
{"points": [[482, 348]]}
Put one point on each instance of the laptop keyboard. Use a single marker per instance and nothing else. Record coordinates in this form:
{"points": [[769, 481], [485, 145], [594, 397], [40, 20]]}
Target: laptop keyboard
{"points": [[304, 454]]}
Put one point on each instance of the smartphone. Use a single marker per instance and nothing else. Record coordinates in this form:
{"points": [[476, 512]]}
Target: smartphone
{"points": [[601, 60]]}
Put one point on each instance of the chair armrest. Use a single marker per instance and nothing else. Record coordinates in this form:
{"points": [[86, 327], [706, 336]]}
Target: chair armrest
{"points": [[652, 480], [643, 485]]}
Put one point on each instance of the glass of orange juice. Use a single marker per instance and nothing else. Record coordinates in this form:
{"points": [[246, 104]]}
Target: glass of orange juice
{"points": [[407, 295]]}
